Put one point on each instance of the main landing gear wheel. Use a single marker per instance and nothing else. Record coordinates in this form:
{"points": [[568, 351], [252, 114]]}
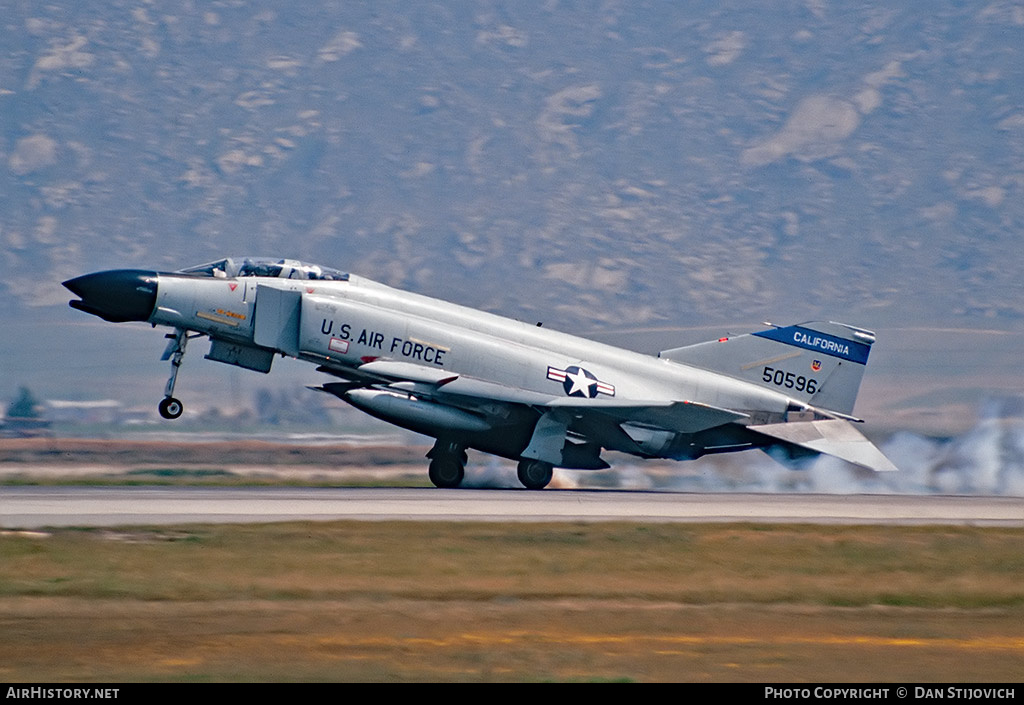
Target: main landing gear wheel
{"points": [[447, 464], [446, 471], [535, 474], [170, 408]]}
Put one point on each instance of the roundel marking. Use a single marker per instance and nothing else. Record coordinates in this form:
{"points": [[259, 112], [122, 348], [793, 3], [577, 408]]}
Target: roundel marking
{"points": [[579, 382]]}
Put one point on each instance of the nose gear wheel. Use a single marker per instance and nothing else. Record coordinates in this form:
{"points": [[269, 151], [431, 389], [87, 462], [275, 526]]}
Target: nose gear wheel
{"points": [[170, 408]]}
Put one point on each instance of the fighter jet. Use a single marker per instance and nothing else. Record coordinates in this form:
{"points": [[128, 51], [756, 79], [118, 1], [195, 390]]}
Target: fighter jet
{"points": [[471, 379]]}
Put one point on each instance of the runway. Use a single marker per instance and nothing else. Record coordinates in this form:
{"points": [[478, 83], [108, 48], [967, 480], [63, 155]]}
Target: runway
{"points": [[39, 507]]}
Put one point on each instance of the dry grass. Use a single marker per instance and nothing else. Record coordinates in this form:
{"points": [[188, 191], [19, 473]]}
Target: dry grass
{"points": [[115, 453], [434, 601]]}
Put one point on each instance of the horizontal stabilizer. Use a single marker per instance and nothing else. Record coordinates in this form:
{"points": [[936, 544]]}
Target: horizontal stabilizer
{"points": [[834, 437]]}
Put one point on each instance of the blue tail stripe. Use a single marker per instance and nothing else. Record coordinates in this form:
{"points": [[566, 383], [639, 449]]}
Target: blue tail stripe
{"points": [[819, 342]]}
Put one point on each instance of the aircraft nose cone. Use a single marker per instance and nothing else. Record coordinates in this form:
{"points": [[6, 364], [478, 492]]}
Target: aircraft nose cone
{"points": [[118, 295]]}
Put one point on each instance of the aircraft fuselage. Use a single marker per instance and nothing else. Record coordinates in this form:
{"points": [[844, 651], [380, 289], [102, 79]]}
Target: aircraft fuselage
{"points": [[472, 379]]}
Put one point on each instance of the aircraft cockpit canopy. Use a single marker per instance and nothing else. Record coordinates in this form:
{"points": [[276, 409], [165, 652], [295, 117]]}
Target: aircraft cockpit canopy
{"points": [[229, 268]]}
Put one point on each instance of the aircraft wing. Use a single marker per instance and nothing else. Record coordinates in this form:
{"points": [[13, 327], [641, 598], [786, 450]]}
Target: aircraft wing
{"points": [[600, 418], [409, 377], [470, 392], [678, 416], [408, 371]]}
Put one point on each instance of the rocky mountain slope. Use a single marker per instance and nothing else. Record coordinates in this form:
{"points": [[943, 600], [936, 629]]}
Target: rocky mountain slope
{"points": [[645, 162], [618, 165]]}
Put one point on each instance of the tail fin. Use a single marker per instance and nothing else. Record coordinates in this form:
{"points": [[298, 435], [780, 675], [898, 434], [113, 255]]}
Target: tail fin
{"points": [[817, 363]]}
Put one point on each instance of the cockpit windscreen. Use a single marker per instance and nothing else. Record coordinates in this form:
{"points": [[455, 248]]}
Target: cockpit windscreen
{"points": [[230, 268]]}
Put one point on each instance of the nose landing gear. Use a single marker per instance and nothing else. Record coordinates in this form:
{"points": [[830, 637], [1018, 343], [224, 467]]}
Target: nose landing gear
{"points": [[169, 407]]}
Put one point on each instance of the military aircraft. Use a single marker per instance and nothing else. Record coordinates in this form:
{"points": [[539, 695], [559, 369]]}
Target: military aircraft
{"points": [[471, 379]]}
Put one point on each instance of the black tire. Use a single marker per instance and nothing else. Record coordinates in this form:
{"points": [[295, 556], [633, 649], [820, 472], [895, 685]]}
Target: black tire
{"points": [[535, 474], [170, 408], [446, 472]]}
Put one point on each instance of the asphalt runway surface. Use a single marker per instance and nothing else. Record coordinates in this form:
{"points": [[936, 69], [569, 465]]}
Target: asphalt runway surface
{"points": [[38, 507]]}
